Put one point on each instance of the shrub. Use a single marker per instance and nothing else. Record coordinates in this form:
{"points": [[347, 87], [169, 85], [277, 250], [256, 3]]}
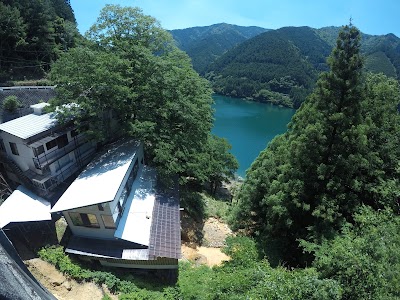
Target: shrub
{"points": [[11, 103]]}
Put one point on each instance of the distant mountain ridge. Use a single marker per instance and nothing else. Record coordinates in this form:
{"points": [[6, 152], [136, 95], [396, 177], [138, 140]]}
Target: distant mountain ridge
{"points": [[205, 44], [279, 66]]}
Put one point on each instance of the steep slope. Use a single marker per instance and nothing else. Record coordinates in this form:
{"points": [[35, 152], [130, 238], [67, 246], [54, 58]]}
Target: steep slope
{"points": [[381, 52], [32, 35], [277, 66], [281, 66], [205, 44]]}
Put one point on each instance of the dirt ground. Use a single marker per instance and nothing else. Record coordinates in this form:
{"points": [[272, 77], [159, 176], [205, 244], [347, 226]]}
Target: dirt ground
{"points": [[207, 252], [64, 288]]}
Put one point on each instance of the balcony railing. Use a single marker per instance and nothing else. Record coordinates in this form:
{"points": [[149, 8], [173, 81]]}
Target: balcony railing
{"points": [[48, 158], [67, 171]]}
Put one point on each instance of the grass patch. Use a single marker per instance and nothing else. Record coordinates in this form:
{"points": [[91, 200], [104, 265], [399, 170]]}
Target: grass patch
{"points": [[216, 208], [117, 281]]}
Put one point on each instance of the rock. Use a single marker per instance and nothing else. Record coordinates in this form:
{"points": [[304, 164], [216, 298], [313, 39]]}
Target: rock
{"points": [[67, 284]]}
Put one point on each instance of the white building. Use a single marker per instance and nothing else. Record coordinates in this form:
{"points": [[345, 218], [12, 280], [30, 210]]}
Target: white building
{"points": [[37, 151], [118, 213]]}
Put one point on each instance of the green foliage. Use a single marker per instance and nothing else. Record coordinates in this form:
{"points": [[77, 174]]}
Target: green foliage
{"points": [[378, 62], [133, 71], [216, 207], [205, 44], [247, 277], [279, 61], [194, 282], [32, 35], [116, 284], [11, 103], [214, 163], [365, 258], [96, 81], [56, 256], [243, 277], [286, 62], [341, 151]]}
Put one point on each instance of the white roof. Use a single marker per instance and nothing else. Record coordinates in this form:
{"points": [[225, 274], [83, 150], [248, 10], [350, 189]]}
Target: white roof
{"points": [[100, 181], [29, 125], [135, 222], [39, 105], [24, 206]]}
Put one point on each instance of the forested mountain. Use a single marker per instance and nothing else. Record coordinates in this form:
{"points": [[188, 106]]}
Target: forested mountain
{"points": [[278, 66], [382, 52], [33, 33], [205, 44]]}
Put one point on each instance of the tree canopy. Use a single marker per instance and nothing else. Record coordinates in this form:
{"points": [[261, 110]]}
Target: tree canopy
{"points": [[341, 151], [32, 36], [132, 70]]}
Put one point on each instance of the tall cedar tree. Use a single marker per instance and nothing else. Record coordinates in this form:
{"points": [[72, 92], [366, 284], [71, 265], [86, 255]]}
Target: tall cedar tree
{"points": [[310, 181]]}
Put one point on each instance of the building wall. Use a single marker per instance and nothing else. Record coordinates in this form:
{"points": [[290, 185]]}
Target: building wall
{"points": [[59, 170], [100, 232], [159, 264], [24, 159], [138, 157], [109, 208]]}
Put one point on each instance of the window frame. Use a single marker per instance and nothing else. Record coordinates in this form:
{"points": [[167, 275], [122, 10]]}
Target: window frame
{"points": [[14, 148], [51, 144], [36, 150], [114, 226], [84, 219]]}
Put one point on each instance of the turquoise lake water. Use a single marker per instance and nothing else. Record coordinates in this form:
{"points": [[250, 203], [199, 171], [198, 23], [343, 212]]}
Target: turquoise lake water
{"points": [[248, 126]]}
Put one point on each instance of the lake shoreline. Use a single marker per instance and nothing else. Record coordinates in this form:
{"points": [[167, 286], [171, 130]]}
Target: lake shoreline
{"points": [[248, 126]]}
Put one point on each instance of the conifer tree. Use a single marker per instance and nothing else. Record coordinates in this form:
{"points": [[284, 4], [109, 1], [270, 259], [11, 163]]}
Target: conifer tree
{"points": [[311, 180]]}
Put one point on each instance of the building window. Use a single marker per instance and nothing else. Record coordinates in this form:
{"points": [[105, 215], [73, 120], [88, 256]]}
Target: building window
{"points": [[39, 150], [2, 145], [124, 196], [132, 176], [100, 207], [62, 141], [86, 220], [14, 148], [51, 144], [108, 221]]}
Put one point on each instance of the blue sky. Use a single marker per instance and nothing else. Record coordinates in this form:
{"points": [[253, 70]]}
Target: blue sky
{"points": [[370, 16]]}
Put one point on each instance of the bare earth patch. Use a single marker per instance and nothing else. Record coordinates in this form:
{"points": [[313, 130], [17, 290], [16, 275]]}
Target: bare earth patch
{"points": [[214, 234], [64, 288]]}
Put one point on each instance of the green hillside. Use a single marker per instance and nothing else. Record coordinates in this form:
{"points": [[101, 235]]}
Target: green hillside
{"points": [[205, 44], [278, 66], [32, 35], [281, 66], [382, 52]]}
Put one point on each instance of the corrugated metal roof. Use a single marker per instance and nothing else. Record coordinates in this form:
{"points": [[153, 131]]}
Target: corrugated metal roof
{"points": [[136, 220], [24, 206], [29, 125], [101, 179]]}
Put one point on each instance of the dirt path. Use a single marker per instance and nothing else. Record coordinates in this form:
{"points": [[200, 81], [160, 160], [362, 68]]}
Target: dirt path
{"points": [[64, 288]]}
